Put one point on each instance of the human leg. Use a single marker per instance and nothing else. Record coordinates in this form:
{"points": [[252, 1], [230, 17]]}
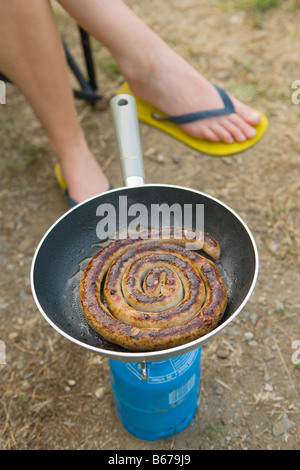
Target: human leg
{"points": [[157, 74], [34, 60]]}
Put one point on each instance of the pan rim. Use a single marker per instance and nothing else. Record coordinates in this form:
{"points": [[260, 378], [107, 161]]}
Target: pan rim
{"points": [[131, 356]]}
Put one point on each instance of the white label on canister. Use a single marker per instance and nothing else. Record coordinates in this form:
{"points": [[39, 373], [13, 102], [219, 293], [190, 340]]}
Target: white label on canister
{"points": [[177, 366], [181, 392], [182, 363], [135, 368]]}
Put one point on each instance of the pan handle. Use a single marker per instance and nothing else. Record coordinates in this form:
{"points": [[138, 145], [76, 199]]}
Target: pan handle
{"points": [[124, 112]]}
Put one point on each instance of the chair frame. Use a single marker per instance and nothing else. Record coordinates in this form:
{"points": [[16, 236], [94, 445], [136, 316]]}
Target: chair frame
{"points": [[88, 85]]}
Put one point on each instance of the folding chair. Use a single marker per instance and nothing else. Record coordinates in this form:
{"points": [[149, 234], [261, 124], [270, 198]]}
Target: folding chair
{"points": [[88, 85]]}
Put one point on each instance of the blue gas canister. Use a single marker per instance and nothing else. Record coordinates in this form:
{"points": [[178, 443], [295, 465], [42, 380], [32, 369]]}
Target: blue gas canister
{"points": [[156, 399]]}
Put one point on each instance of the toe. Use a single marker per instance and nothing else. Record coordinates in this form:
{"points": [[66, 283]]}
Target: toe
{"points": [[248, 114], [222, 132], [201, 130], [242, 127], [235, 131], [210, 134]]}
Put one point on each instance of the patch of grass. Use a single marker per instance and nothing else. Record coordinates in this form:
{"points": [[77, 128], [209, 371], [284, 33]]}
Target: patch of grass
{"points": [[31, 153], [214, 429], [110, 67], [253, 5], [256, 5], [283, 312], [248, 65], [249, 91], [33, 149], [12, 164], [24, 156]]}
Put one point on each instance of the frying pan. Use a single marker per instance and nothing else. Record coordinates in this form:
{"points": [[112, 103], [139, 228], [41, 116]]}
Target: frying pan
{"points": [[68, 245]]}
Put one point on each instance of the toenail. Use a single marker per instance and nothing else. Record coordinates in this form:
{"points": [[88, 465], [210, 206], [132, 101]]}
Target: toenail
{"points": [[254, 115], [252, 132]]}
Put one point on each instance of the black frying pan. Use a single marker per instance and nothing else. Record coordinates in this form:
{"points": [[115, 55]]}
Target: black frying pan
{"points": [[66, 248]]}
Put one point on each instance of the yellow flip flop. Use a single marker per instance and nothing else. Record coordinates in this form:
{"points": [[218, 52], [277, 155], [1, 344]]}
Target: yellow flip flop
{"points": [[59, 177], [146, 111], [61, 181]]}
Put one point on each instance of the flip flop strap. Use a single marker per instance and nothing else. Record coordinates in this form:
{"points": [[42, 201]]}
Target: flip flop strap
{"points": [[191, 117]]}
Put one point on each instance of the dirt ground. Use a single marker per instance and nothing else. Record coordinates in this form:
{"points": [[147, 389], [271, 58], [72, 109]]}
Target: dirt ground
{"points": [[55, 394]]}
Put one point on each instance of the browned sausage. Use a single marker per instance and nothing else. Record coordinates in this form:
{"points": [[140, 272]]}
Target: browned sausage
{"points": [[153, 293]]}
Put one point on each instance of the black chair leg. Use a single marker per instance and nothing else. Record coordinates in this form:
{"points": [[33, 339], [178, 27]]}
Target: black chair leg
{"points": [[89, 87], [87, 52]]}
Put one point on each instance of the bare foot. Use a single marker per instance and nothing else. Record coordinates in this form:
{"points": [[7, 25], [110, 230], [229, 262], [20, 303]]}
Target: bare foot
{"points": [[175, 87], [82, 173]]}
